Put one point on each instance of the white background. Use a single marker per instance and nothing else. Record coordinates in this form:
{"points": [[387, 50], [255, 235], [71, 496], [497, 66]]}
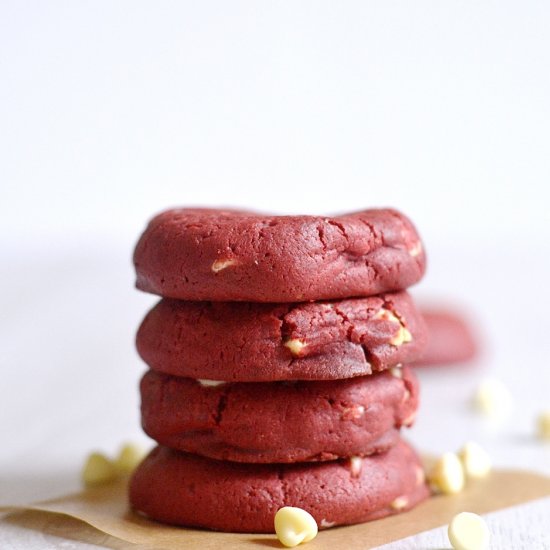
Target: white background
{"points": [[111, 111]]}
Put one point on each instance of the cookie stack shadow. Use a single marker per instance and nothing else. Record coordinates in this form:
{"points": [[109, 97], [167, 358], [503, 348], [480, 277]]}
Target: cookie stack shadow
{"points": [[278, 374]]}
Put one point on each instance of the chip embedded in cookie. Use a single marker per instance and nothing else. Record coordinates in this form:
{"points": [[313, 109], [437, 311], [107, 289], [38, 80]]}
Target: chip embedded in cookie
{"points": [[225, 255]]}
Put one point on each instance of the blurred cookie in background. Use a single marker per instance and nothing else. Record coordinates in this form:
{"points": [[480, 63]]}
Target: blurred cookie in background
{"points": [[452, 338]]}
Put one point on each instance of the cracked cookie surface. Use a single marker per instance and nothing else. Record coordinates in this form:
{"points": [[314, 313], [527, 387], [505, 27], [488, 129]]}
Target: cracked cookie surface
{"points": [[248, 342], [184, 489], [279, 421], [225, 255]]}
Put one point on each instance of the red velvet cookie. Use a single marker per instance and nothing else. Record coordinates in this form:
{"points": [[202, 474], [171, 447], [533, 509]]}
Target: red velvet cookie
{"points": [[279, 421], [225, 255], [185, 489], [450, 339], [248, 342]]}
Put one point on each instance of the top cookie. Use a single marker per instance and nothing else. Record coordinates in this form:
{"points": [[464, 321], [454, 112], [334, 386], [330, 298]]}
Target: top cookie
{"points": [[226, 255]]}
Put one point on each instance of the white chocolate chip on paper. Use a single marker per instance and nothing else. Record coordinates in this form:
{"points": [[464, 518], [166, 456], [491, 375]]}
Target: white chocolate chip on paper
{"points": [[447, 475], [468, 531], [129, 457], [475, 460], [294, 526], [97, 470]]}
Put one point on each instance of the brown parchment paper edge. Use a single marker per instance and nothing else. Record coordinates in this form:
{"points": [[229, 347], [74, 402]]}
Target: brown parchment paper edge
{"points": [[106, 509]]}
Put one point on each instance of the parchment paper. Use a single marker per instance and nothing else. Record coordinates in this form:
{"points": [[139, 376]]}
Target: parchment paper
{"points": [[106, 509]]}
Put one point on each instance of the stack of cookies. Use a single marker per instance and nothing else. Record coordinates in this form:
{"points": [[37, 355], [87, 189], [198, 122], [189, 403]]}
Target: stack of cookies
{"points": [[277, 374]]}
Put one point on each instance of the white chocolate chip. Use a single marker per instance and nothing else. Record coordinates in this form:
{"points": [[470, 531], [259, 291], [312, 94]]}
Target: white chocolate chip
{"points": [[415, 249], [220, 265], [447, 475], [355, 465], [403, 335], [399, 503], [409, 421], [492, 398], [543, 425], [468, 531], [129, 456], [98, 469], [327, 524], [420, 475], [294, 526], [353, 413], [386, 315], [210, 383], [397, 372], [475, 460], [295, 345]]}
